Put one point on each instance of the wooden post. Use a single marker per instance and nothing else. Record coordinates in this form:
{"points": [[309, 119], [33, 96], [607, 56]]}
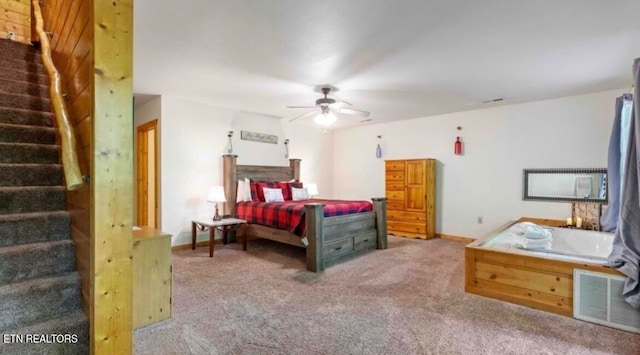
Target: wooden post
{"points": [[230, 182], [112, 178], [295, 166], [380, 208], [314, 214]]}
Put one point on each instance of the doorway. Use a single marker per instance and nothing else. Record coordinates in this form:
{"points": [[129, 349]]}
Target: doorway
{"points": [[147, 174]]}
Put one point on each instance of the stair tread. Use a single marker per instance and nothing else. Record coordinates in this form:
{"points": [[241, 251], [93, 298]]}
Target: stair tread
{"points": [[51, 146], [31, 188], [27, 96], [33, 260], [69, 323], [67, 278], [4, 56], [34, 246], [69, 318], [19, 216], [16, 44], [34, 227], [74, 317], [24, 76], [26, 117], [34, 300], [24, 82], [26, 110], [28, 127], [43, 75], [30, 165]]}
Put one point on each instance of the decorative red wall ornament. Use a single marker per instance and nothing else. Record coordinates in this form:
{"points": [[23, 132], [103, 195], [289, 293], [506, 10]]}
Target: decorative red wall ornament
{"points": [[457, 147]]}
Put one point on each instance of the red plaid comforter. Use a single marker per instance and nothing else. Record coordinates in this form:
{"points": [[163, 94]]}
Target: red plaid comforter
{"points": [[289, 215]]}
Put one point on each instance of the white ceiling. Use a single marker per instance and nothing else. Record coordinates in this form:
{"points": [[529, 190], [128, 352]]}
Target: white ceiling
{"points": [[398, 59]]}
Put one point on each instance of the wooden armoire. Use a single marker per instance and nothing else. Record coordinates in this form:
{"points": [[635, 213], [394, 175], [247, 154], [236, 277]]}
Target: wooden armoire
{"points": [[410, 190]]}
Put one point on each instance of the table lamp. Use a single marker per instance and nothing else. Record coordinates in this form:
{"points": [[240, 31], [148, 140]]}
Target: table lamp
{"points": [[312, 190], [216, 195]]}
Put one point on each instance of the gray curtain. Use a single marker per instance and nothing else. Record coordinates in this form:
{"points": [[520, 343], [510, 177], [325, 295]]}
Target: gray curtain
{"points": [[626, 243], [609, 219]]}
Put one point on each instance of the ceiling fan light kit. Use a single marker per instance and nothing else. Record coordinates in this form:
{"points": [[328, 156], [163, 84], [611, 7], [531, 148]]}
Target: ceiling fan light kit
{"points": [[327, 107], [325, 119]]}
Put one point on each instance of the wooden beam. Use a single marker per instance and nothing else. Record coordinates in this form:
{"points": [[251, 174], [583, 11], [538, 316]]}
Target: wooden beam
{"points": [[112, 178]]}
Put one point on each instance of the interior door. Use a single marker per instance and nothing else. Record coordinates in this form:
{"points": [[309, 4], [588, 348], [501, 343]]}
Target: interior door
{"points": [[416, 179], [147, 174]]}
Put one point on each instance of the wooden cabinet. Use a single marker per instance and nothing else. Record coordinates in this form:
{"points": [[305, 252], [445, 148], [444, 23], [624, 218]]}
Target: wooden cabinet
{"points": [[152, 276], [410, 191]]}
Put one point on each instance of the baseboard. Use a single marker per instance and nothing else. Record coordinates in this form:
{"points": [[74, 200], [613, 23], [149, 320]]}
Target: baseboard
{"points": [[198, 244], [455, 238]]}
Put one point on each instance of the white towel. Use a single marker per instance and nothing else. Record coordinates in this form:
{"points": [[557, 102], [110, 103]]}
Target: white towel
{"points": [[530, 231], [526, 243]]}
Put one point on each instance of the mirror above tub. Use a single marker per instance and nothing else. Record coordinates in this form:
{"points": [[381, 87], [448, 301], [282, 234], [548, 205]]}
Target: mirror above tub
{"points": [[565, 185]]}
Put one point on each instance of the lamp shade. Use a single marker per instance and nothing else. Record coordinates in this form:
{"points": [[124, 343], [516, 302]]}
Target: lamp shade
{"points": [[312, 189], [216, 194], [325, 119]]}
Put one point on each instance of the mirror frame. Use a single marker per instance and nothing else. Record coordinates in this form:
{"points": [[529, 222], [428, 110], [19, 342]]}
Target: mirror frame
{"points": [[525, 184]]}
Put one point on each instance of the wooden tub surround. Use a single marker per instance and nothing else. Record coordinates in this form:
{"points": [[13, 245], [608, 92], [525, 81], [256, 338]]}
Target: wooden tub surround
{"points": [[523, 278], [328, 240]]}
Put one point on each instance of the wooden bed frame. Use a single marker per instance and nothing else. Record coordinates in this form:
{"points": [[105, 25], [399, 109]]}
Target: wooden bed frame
{"points": [[330, 240]]}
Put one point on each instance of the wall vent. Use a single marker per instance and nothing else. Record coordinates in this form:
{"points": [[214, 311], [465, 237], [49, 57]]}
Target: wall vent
{"points": [[598, 299], [498, 99]]}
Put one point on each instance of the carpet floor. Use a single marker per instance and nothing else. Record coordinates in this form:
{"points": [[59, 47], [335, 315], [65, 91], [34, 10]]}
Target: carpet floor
{"points": [[408, 299]]}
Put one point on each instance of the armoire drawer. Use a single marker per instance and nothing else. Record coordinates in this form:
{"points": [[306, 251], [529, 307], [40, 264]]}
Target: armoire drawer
{"points": [[420, 228], [394, 165], [394, 185], [407, 216], [395, 195], [395, 205], [395, 176]]}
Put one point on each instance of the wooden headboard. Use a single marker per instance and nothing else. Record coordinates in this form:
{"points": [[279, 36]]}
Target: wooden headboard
{"points": [[232, 172]]}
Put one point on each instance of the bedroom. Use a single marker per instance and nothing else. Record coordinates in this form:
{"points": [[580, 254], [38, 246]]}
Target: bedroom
{"points": [[524, 86], [475, 192]]}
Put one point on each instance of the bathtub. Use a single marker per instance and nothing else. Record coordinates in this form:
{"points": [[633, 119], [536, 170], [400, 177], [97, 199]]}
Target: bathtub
{"points": [[567, 244], [541, 279]]}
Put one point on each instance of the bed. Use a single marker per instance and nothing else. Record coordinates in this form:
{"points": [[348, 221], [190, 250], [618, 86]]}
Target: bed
{"points": [[328, 240]]}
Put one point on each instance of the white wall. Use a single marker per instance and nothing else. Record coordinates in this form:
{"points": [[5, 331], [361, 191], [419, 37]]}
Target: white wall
{"points": [[193, 140], [570, 132]]}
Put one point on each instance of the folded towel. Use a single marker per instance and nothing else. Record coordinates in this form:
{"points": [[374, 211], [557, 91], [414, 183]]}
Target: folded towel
{"points": [[527, 243], [530, 230]]}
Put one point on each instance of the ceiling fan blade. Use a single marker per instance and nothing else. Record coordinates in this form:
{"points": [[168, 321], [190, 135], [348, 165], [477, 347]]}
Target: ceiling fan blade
{"points": [[301, 107], [303, 116], [353, 111], [345, 102]]}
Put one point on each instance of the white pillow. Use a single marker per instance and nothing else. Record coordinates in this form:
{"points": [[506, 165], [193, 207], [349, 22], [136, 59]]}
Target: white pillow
{"points": [[243, 192], [299, 194], [247, 189], [272, 195], [240, 191]]}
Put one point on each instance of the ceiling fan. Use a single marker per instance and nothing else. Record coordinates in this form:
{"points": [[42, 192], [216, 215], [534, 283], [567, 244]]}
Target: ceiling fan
{"points": [[325, 108]]}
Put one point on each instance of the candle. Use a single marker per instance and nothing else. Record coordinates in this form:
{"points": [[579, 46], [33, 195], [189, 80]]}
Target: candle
{"points": [[579, 222], [569, 221]]}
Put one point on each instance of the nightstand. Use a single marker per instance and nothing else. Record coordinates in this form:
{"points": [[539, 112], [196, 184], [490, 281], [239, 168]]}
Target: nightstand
{"points": [[224, 225]]}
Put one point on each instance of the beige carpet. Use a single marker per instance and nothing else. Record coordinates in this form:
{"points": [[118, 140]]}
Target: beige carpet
{"points": [[408, 299]]}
